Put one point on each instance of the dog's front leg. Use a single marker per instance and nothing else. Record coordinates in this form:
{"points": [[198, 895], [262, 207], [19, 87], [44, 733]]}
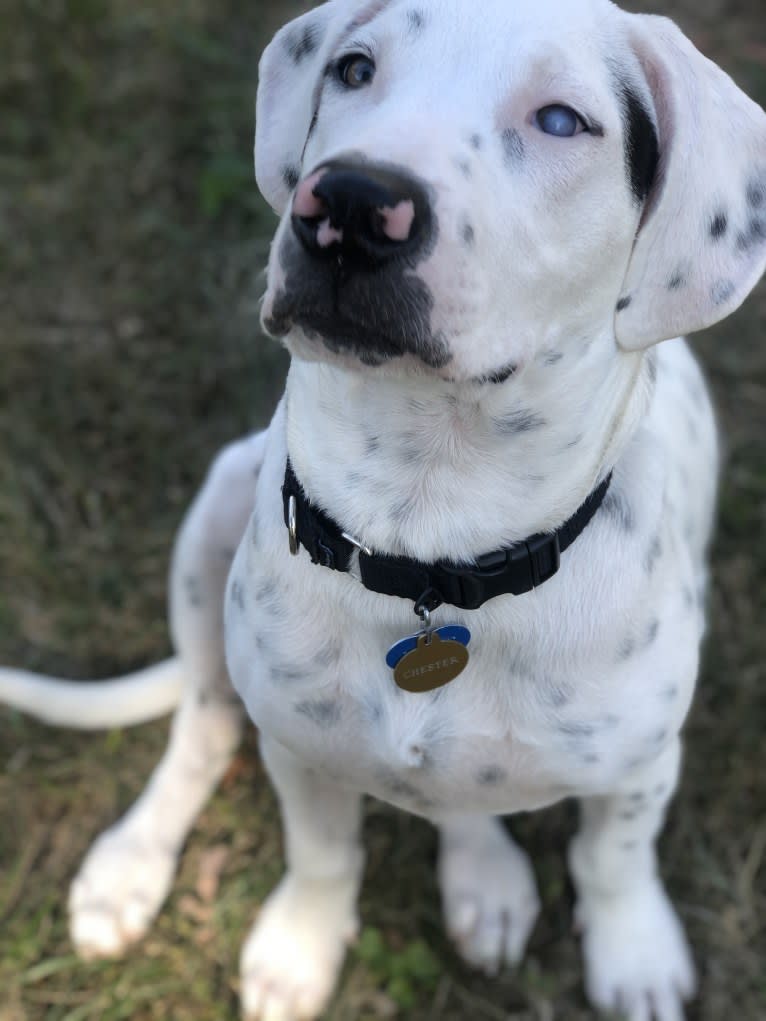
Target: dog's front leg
{"points": [[291, 960], [636, 956], [488, 891], [127, 873]]}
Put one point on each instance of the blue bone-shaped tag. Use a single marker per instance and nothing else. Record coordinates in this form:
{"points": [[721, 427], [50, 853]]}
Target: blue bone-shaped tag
{"points": [[448, 633]]}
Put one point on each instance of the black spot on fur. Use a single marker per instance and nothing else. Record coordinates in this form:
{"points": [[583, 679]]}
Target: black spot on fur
{"points": [[285, 675], [475, 141], [325, 713], [676, 282], [268, 598], [403, 510], [371, 445], [627, 648], [642, 149], [463, 166], [624, 303], [652, 631], [756, 192], [301, 44], [266, 590], [552, 357], [579, 731], [491, 776], [653, 554], [513, 145], [618, 510], [755, 234], [373, 711], [722, 291], [193, 591], [516, 422], [355, 479], [719, 225], [291, 176], [558, 694], [329, 654], [416, 21], [497, 377], [628, 816], [237, 594], [468, 235]]}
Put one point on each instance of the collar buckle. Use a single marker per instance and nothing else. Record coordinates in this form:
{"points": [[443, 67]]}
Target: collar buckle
{"points": [[544, 557]]}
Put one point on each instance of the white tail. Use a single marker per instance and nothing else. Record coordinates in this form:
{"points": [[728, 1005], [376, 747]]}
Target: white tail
{"points": [[115, 702]]}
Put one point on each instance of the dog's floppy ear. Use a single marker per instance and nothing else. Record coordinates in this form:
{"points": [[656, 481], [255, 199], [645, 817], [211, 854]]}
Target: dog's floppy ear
{"points": [[701, 247], [289, 77]]}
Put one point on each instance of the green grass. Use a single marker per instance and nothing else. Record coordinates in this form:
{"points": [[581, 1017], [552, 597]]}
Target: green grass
{"points": [[132, 244]]}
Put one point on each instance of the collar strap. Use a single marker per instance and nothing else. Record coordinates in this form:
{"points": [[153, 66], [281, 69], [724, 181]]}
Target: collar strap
{"points": [[512, 570]]}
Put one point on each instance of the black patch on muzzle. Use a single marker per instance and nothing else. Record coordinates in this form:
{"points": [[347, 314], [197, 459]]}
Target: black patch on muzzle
{"points": [[375, 316]]}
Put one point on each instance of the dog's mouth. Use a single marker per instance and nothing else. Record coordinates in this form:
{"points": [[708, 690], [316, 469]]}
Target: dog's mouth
{"points": [[372, 317]]}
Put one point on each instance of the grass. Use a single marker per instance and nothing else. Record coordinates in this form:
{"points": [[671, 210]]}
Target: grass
{"points": [[131, 247]]}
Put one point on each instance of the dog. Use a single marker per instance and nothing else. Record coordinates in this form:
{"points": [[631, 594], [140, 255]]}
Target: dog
{"points": [[470, 561]]}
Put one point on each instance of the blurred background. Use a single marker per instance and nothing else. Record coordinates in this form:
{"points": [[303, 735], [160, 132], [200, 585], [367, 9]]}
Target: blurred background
{"points": [[132, 245]]}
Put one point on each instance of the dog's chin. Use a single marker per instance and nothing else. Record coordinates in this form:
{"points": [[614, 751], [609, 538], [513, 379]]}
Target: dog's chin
{"points": [[307, 345], [316, 335]]}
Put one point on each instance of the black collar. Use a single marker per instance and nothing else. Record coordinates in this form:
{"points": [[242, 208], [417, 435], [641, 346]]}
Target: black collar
{"points": [[515, 569]]}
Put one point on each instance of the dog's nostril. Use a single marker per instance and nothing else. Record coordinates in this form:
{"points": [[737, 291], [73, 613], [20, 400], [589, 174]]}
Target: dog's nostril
{"points": [[397, 221], [306, 203]]}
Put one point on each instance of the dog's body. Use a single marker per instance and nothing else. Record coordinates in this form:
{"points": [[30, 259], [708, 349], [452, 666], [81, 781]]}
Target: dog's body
{"points": [[470, 394]]}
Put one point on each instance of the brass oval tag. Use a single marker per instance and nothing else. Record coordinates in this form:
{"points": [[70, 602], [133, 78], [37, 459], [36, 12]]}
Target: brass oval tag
{"points": [[431, 665]]}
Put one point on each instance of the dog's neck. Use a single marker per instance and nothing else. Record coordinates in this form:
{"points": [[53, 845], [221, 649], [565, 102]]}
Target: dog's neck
{"points": [[428, 469]]}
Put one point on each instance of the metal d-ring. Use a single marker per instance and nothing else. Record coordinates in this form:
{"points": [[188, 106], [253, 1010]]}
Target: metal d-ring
{"points": [[425, 622], [292, 525]]}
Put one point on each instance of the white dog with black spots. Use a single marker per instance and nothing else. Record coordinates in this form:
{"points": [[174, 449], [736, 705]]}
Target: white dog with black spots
{"points": [[489, 219]]}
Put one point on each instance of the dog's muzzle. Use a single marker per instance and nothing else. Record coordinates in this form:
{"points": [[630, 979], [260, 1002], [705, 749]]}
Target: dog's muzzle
{"points": [[349, 258]]}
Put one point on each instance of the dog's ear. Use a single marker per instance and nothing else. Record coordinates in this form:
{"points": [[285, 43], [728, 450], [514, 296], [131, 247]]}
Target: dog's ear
{"points": [[701, 246], [289, 77]]}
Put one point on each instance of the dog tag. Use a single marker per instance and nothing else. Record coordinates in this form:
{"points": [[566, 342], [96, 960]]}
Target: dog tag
{"points": [[432, 664], [449, 632]]}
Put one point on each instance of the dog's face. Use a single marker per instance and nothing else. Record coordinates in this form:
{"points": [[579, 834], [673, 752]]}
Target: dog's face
{"points": [[461, 187]]}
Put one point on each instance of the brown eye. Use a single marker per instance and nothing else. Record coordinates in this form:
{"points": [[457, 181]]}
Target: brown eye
{"points": [[356, 70]]}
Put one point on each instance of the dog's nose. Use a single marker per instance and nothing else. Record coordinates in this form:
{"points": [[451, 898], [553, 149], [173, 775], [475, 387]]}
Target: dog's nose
{"points": [[369, 214]]}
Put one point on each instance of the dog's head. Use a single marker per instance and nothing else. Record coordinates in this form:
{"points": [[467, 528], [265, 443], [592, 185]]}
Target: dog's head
{"points": [[461, 185]]}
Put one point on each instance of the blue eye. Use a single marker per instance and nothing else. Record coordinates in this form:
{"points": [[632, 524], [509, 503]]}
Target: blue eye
{"points": [[355, 70], [559, 120]]}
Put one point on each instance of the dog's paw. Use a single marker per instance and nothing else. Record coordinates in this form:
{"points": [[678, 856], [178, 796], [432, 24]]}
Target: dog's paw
{"points": [[637, 960], [292, 958], [118, 891], [490, 899]]}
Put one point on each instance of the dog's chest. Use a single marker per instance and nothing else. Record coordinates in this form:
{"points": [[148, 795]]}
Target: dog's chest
{"points": [[518, 729]]}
